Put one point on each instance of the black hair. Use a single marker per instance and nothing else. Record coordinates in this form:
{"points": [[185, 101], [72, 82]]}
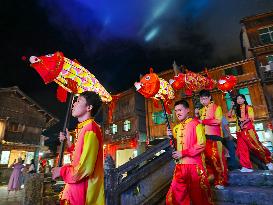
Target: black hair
{"points": [[184, 103], [92, 99], [204, 93], [237, 108]]}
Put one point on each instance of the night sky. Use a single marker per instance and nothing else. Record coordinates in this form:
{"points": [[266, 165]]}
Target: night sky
{"points": [[118, 40]]}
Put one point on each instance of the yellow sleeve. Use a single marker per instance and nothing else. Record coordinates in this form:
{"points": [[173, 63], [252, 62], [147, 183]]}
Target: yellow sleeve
{"points": [[89, 155], [219, 114], [200, 133], [250, 113], [175, 130], [87, 161]]}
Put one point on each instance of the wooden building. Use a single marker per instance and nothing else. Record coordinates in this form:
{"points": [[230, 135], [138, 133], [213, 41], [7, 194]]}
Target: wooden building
{"points": [[248, 84], [21, 124], [257, 42], [125, 136]]}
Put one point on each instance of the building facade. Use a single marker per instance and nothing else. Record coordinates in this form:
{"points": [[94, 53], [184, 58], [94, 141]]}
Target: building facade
{"points": [[257, 42], [22, 122], [125, 136]]}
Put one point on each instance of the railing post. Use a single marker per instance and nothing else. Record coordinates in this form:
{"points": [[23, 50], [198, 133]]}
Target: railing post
{"points": [[110, 181]]}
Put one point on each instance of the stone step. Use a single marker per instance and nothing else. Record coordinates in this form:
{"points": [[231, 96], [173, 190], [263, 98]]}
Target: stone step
{"points": [[256, 178], [226, 203], [245, 195]]}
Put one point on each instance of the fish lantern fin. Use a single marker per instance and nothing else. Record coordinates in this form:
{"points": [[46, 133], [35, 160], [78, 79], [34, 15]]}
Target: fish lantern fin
{"points": [[151, 70], [166, 105], [155, 101], [72, 85], [188, 92], [61, 94], [76, 61]]}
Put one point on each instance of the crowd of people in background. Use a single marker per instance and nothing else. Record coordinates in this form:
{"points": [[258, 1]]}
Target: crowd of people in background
{"points": [[20, 170]]}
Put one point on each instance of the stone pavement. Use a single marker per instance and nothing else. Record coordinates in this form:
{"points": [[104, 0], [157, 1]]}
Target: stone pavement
{"points": [[12, 198]]}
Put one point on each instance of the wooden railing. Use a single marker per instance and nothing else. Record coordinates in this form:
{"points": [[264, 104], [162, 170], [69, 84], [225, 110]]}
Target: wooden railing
{"points": [[138, 181]]}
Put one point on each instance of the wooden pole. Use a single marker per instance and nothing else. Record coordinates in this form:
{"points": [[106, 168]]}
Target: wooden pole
{"points": [[66, 124], [168, 124]]}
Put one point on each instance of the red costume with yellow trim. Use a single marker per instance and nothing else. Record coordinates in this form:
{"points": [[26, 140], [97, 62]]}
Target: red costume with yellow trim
{"points": [[247, 139], [211, 116], [84, 176], [190, 184]]}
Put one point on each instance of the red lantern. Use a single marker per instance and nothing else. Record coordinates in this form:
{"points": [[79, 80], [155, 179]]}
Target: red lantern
{"points": [[227, 83]]}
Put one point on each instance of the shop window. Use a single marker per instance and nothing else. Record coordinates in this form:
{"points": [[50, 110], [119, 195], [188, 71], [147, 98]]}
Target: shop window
{"points": [[244, 91], [259, 127], [67, 159], [15, 127], [5, 157], [29, 157], [2, 129], [266, 35], [234, 71], [15, 154], [269, 58], [126, 125], [114, 128], [159, 117], [232, 130]]}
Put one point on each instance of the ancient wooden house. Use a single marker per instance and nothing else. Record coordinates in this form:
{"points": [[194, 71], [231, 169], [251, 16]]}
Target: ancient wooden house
{"points": [[125, 136], [257, 42], [22, 122]]}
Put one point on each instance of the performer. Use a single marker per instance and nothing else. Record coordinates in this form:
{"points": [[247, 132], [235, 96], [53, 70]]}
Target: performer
{"points": [[211, 117], [190, 184], [84, 176], [230, 145], [247, 138]]}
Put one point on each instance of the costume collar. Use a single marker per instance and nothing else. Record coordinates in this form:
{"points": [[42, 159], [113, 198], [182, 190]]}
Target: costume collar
{"points": [[211, 102], [85, 122], [186, 121]]}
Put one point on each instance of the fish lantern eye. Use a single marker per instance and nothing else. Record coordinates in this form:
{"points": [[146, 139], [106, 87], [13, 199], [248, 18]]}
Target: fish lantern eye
{"points": [[49, 55], [147, 78]]}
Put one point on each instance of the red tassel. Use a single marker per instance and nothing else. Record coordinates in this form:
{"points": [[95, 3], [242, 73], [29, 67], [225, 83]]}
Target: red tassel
{"points": [[61, 94]]}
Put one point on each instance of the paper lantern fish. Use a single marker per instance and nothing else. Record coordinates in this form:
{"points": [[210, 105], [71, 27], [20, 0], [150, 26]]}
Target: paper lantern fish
{"points": [[151, 86], [68, 74], [191, 81]]}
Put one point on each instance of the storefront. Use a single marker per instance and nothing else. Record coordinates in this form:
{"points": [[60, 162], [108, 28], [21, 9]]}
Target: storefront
{"points": [[122, 151]]}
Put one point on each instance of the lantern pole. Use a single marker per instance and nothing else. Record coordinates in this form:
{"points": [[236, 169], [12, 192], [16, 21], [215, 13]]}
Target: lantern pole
{"points": [[66, 124], [168, 125]]}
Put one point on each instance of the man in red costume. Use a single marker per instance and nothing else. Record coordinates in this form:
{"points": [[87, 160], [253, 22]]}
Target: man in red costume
{"points": [[190, 184], [211, 118], [84, 176]]}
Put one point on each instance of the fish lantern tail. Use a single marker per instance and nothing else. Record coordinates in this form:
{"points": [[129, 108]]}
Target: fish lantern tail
{"points": [[167, 108], [61, 94]]}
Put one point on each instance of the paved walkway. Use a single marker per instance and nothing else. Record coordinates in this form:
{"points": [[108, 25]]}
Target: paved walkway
{"points": [[12, 198]]}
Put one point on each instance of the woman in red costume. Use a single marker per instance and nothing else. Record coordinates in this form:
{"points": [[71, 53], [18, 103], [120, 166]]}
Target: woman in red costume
{"points": [[247, 138]]}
